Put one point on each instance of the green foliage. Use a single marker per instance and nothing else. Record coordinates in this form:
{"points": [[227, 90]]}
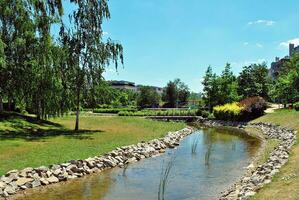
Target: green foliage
{"points": [[219, 89], [49, 78], [172, 112], [285, 88], [203, 113], [148, 98], [296, 106], [113, 110], [175, 94], [253, 81]]}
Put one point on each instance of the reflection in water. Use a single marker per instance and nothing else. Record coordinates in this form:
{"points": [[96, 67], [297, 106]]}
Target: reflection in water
{"points": [[219, 161]]}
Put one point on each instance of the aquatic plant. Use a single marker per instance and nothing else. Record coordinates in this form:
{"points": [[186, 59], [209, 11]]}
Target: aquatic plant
{"points": [[165, 178], [125, 169], [208, 154], [194, 145]]}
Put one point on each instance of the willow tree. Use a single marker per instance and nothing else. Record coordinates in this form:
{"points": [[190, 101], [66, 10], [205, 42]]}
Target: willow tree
{"points": [[2, 69], [44, 14], [88, 53]]}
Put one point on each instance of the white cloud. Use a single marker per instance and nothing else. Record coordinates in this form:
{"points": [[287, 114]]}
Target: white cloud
{"points": [[262, 22], [245, 43], [105, 33], [286, 43], [259, 45]]}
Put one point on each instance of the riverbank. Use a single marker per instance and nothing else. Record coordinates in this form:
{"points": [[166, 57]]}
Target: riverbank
{"points": [[258, 176], [27, 142], [20, 180], [285, 184]]}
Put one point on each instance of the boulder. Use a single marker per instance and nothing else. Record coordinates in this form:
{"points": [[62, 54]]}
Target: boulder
{"points": [[10, 190], [52, 179], [23, 181]]}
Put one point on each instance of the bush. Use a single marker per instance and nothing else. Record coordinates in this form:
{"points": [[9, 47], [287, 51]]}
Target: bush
{"points": [[253, 107], [230, 111], [202, 113], [296, 106], [113, 110], [246, 109]]}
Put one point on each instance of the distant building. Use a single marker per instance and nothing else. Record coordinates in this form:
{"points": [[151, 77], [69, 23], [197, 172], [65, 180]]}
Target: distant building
{"points": [[131, 86], [293, 49], [278, 63], [123, 85]]}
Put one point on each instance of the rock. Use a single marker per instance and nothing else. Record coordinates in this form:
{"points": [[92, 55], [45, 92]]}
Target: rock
{"points": [[251, 166], [57, 172], [44, 181], [12, 172], [23, 181], [73, 168], [65, 165], [24, 187], [49, 174], [7, 179], [109, 162], [41, 169], [35, 183], [2, 185], [52, 179], [249, 194], [10, 190], [267, 181]]}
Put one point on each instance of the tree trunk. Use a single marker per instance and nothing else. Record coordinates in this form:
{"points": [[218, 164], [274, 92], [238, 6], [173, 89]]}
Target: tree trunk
{"points": [[9, 104], [1, 104], [78, 110], [38, 110]]}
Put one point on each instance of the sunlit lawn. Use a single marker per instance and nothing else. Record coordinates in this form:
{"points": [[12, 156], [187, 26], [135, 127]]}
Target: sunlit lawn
{"points": [[24, 144]]}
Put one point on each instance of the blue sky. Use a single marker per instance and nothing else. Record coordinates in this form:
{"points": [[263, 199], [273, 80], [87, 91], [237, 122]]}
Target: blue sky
{"points": [[167, 39]]}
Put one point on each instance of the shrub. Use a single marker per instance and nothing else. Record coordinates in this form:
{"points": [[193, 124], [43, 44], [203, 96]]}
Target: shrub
{"points": [[230, 111], [296, 106], [113, 110], [202, 113], [253, 107]]}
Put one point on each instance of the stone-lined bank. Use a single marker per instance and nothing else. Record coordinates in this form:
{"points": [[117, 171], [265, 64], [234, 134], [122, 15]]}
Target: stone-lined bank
{"points": [[19, 180], [257, 177]]}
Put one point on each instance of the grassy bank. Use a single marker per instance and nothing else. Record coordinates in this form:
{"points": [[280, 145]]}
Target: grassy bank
{"points": [[27, 142], [286, 183]]}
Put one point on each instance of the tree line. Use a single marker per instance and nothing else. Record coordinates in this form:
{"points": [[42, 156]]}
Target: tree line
{"points": [[49, 75], [254, 80]]}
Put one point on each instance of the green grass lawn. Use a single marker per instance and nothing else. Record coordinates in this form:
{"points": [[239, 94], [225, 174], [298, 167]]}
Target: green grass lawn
{"points": [[27, 142], [285, 184]]}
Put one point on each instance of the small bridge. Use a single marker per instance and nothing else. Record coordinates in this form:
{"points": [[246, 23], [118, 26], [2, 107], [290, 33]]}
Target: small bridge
{"points": [[176, 118]]}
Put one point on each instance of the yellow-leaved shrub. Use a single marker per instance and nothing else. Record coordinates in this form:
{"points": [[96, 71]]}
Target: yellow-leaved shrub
{"points": [[229, 111]]}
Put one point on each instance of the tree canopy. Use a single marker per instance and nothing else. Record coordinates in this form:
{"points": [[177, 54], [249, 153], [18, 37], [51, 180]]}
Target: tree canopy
{"points": [[49, 75]]}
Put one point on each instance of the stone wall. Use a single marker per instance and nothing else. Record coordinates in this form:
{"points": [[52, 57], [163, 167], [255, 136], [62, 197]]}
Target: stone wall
{"points": [[19, 180]]}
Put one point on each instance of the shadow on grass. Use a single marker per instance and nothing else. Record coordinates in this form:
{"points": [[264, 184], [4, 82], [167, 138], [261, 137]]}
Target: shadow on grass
{"points": [[32, 131], [40, 134], [13, 116]]}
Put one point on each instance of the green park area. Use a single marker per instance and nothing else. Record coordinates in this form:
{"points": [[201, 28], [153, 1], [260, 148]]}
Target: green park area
{"points": [[27, 142], [67, 90]]}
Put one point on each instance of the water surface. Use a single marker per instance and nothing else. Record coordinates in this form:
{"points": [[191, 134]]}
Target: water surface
{"points": [[217, 162]]}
